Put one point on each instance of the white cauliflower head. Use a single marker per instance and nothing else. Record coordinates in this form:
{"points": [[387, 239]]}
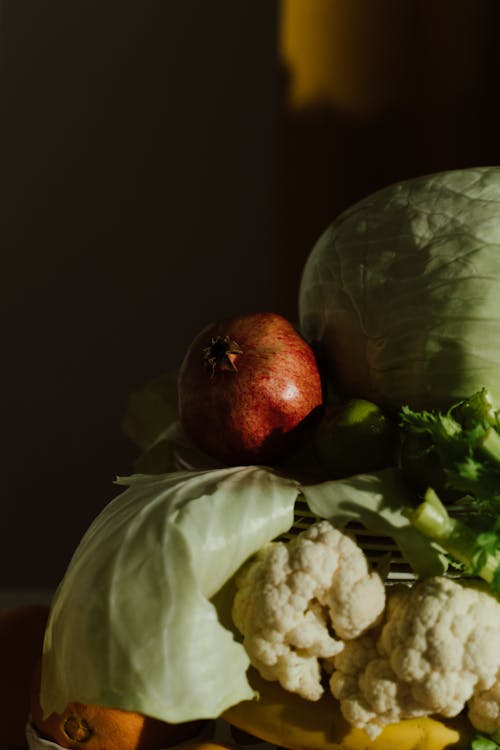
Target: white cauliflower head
{"points": [[296, 603], [439, 645]]}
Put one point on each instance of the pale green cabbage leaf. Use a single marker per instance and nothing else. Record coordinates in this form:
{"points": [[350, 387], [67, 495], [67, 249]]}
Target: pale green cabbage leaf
{"points": [[132, 624], [377, 501], [150, 409], [401, 293]]}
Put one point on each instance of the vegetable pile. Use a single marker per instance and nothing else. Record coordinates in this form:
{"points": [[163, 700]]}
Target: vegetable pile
{"points": [[381, 412]]}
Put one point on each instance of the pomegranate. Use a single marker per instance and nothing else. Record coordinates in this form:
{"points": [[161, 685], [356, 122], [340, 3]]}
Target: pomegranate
{"points": [[246, 386]]}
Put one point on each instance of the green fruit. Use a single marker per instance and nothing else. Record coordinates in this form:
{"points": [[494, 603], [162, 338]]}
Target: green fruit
{"points": [[355, 437]]}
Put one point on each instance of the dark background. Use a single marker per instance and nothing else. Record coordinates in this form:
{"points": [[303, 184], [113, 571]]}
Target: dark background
{"points": [[155, 176]]}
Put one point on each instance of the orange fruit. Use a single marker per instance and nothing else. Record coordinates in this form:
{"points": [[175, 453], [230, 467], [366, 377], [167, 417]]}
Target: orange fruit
{"points": [[21, 641], [91, 727]]}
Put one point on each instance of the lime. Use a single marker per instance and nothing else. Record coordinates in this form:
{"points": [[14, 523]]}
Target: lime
{"points": [[354, 437]]}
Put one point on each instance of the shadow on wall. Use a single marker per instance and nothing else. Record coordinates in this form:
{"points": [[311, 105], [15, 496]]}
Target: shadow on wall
{"points": [[137, 173], [374, 93]]}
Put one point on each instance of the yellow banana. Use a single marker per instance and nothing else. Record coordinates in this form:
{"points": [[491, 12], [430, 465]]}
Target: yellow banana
{"points": [[289, 721]]}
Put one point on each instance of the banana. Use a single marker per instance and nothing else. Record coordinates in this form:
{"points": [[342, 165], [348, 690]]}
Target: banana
{"points": [[289, 721]]}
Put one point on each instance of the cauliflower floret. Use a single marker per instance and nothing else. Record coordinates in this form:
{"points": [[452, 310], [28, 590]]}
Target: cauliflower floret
{"points": [[296, 603], [439, 644], [484, 709]]}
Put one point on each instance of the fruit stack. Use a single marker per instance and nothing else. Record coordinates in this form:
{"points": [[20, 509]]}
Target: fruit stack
{"points": [[246, 569]]}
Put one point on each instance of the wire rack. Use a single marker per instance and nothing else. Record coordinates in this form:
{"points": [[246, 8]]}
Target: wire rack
{"points": [[382, 552]]}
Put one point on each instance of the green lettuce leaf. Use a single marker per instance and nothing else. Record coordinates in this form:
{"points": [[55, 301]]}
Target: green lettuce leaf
{"points": [[132, 624]]}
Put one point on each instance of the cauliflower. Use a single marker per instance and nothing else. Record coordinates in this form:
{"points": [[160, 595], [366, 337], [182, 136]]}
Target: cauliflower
{"points": [[484, 710], [297, 603], [437, 648]]}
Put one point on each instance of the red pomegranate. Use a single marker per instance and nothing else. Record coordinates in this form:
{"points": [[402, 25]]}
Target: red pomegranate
{"points": [[245, 387]]}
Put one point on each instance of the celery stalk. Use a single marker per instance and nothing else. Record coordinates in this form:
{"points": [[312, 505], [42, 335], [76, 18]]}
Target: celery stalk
{"points": [[460, 541]]}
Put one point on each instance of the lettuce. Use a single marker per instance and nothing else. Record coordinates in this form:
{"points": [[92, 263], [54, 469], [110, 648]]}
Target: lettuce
{"points": [[401, 294]]}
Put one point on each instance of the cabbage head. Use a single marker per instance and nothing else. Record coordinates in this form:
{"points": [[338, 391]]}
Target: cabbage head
{"points": [[401, 293]]}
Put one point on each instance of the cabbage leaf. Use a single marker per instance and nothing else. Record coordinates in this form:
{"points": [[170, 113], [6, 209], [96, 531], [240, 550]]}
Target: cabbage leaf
{"points": [[142, 617], [378, 501], [132, 624], [150, 410]]}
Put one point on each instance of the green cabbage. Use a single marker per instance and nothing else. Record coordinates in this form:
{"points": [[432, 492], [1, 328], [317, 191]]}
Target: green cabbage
{"points": [[132, 624], [142, 617], [401, 294]]}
